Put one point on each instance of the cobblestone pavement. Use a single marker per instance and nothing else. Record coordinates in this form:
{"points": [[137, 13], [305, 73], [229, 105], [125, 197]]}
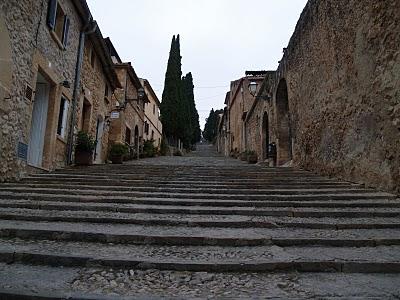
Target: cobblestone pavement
{"points": [[200, 226]]}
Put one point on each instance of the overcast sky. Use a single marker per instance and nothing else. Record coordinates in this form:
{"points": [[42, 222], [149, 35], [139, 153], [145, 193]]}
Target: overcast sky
{"points": [[220, 39]]}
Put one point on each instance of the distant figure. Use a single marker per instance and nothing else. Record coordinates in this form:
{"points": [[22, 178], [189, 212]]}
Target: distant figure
{"points": [[272, 153]]}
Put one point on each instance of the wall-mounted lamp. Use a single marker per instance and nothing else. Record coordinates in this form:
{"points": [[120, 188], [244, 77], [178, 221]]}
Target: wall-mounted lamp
{"points": [[253, 87], [140, 93]]}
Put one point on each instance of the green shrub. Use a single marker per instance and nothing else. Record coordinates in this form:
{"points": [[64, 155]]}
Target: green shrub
{"points": [[178, 153], [85, 142], [119, 149], [148, 149], [163, 147]]}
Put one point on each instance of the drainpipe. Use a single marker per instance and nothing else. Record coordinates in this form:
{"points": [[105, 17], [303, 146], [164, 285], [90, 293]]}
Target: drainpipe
{"points": [[88, 29]]}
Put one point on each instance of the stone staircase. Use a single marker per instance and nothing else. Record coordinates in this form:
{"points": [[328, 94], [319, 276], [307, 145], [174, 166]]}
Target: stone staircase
{"points": [[178, 215]]}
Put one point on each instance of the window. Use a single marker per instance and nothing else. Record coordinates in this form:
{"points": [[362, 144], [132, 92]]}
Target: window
{"points": [[62, 117], [58, 22], [92, 58], [128, 134], [107, 93], [86, 115], [154, 109], [146, 127]]}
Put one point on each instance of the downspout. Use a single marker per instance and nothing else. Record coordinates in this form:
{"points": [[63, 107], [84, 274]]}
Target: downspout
{"points": [[78, 72]]}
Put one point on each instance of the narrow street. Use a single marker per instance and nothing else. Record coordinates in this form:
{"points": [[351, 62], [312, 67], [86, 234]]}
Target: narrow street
{"points": [[196, 227]]}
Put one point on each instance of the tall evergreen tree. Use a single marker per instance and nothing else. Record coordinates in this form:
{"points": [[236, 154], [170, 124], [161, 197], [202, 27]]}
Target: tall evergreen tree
{"points": [[178, 109], [211, 127], [194, 131], [172, 94]]}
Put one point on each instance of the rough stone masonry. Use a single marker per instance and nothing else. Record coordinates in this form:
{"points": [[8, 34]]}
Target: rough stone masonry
{"points": [[335, 106]]}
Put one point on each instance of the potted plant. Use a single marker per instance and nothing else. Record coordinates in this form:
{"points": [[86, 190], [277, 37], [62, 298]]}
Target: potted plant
{"points": [[117, 153], [243, 156], [252, 157], [84, 148]]}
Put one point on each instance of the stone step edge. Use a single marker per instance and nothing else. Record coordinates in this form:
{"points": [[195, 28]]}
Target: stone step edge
{"points": [[363, 203], [202, 211], [75, 236], [309, 266], [18, 295], [205, 224]]}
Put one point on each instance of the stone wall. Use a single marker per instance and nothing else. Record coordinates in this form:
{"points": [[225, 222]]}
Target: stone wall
{"points": [[343, 72], [32, 48], [335, 105]]}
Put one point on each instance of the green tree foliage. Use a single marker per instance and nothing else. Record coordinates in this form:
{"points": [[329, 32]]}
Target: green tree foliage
{"points": [[194, 131], [178, 110], [211, 127]]}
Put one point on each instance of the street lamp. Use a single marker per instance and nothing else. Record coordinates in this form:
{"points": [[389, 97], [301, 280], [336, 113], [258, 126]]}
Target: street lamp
{"points": [[253, 87], [140, 93]]}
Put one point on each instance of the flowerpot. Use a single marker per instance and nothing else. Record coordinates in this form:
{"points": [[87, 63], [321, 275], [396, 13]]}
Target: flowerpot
{"points": [[117, 159], [83, 158], [252, 159]]}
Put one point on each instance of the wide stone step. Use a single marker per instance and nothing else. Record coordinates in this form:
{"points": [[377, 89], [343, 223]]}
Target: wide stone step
{"points": [[30, 182], [35, 193], [382, 259], [32, 282], [199, 236], [205, 210], [223, 221], [363, 203], [208, 190]]}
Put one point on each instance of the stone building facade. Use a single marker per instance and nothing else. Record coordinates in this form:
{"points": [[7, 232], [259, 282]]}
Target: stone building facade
{"points": [[38, 57], [152, 123], [238, 104], [98, 84], [333, 104], [127, 114]]}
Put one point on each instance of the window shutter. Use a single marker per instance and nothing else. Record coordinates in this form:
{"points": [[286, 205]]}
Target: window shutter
{"points": [[65, 31], [52, 14]]}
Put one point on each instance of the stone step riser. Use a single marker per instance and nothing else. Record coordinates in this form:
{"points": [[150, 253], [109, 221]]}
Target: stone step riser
{"points": [[118, 183], [70, 236], [55, 194], [112, 189], [300, 266], [193, 211], [83, 189], [218, 203], [205, 224]]}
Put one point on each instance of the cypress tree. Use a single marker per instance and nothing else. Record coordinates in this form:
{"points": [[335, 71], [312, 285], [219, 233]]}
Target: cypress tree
{"points": [[172, 94], [193, 125], [211, 127], [178, 109]]}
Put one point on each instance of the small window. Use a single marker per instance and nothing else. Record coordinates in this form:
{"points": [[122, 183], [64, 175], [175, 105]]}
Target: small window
{"points": [[154, 109], [92, 58], [62, 117], [146, 128], [58, 21], [128, 134], [107, 93]]}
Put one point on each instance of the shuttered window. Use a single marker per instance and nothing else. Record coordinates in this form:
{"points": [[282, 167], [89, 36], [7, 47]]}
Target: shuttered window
{"points": [[58, 22], [62, 117]]}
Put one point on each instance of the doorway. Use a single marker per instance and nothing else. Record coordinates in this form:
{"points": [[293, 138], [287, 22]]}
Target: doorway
{"points": [[265, 135], [284, 145], [39, 122], [99, 140]]}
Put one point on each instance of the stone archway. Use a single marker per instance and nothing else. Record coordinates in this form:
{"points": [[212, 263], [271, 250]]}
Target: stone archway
{"points": [[284, 144], [265, 135], [5, 66]]}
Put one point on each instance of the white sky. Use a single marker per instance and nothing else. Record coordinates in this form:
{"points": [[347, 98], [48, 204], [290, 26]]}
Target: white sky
{"points": [[220, 39]]}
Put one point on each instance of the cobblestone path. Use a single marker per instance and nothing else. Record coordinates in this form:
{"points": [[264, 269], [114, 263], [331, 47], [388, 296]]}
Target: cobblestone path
{"points": [[196, 227]]}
